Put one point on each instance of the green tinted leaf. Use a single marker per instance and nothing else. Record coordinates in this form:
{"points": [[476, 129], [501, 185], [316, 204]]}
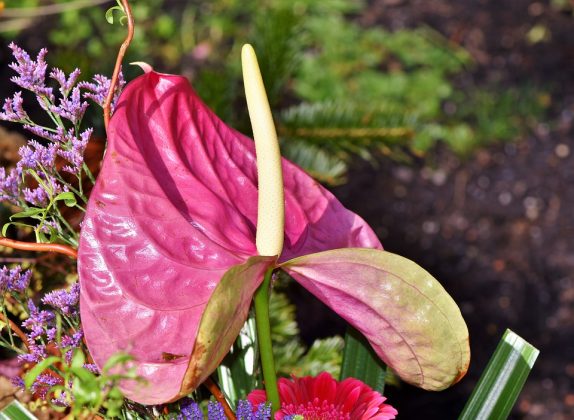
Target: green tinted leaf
{"points": [[410, 320], [68, 197], [360, 361], [7, 225], [16, 411], [110, 14], [502, 380], [223, 318], [27, 213], [115, 360]]}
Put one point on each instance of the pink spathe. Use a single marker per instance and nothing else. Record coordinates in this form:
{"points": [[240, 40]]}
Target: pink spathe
{"points": [[174, 208]]}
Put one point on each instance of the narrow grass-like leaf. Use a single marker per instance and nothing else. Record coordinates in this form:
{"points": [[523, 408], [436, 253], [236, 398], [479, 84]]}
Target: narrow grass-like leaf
{"points": [[38, 369], [360, 361], [16, 411], [502, 380]]}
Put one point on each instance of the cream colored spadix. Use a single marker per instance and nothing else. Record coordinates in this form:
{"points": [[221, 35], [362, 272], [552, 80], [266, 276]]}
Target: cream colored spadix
{"points": [[271, 201]]}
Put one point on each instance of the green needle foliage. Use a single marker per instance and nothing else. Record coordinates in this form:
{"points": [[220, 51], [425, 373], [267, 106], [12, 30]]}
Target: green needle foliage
{"points": [[339, 90], [291, 355]]}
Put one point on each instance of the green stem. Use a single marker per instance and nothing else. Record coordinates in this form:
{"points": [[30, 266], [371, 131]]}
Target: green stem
{"points": [[264, 338]]}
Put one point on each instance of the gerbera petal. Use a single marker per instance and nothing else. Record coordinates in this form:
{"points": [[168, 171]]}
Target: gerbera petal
{"points": [[174, 207], [407, 316]]}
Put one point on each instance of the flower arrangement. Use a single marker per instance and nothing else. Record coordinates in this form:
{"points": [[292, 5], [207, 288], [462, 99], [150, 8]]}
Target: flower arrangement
{"points": [[183, 231]]}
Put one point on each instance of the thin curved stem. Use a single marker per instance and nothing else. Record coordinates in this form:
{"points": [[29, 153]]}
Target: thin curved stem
{"points": [[264, 339], [216, 392], [14, 328], [33, 246], [121, 53]]}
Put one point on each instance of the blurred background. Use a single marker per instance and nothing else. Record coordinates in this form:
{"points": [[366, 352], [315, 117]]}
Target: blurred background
{"points": [[446, 124]]}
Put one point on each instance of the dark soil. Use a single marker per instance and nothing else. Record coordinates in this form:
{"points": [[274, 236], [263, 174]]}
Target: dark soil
{"points": [[496, 229]]}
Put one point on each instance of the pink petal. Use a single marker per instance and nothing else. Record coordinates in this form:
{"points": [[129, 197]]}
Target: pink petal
{"points": [[174, 207], [410, 320]]}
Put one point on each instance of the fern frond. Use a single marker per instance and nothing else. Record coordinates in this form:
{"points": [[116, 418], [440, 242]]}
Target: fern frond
{"points": [[316, 161]]}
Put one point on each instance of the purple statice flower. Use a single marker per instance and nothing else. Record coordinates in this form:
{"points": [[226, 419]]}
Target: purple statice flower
{"points": [[98, 89], [31, 74], [92, 368], [43, 383], [63, 399], [70, 343], [189, 410], [245, 411], [66, 84], [37, 321], [50, 226], [65, 301], [41, 132], [18, 382], [14, 279], [215, 411], [35, 154], [14, 110], [75, 154], [10, 185], [37, 196], [37, 352], [71, 107]]}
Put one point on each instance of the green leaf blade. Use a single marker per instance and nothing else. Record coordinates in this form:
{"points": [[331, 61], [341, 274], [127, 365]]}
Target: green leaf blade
{"points": [[502, 380], [361, 362], [16, 411]]}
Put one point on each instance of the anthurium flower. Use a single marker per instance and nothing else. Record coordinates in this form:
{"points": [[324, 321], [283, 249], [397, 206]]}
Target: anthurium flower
{"points": [[168, 262], [324, 398]]}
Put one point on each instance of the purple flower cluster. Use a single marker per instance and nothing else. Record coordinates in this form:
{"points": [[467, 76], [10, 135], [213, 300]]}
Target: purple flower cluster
{"points": [[65, 301], [189, 410], [66, 107], [31, 74], [245, 411], [14, 280], [38, 320], [43, 383], [98, 89]]}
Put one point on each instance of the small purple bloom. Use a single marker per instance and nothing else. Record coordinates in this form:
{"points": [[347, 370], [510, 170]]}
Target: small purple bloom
{"points": [[37, 196], [38, 320], [75, 153], [215, 411], [98, 90], [71, 108], [189, 410], [15, 279], [13, 109], [66, 84], [92, 368], [43, 384], [65, 301], [35, 154], [245, 411], [37, 352], [10, 185], [31, 74]]}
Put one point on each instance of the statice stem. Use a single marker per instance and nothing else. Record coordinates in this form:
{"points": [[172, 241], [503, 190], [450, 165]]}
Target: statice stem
{"points": [[264, 339]]}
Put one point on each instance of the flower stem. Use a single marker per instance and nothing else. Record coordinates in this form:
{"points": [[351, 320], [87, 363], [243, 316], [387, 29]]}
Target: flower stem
{"points": [[264, 338]]}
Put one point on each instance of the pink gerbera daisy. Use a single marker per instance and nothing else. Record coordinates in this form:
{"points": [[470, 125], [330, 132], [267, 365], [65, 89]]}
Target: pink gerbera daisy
{"points": [[324, 398]]}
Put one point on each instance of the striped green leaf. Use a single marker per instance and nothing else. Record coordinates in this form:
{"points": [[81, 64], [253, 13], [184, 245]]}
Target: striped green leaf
{"points": [[16, 411], [361, 362], [502, 380]]}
